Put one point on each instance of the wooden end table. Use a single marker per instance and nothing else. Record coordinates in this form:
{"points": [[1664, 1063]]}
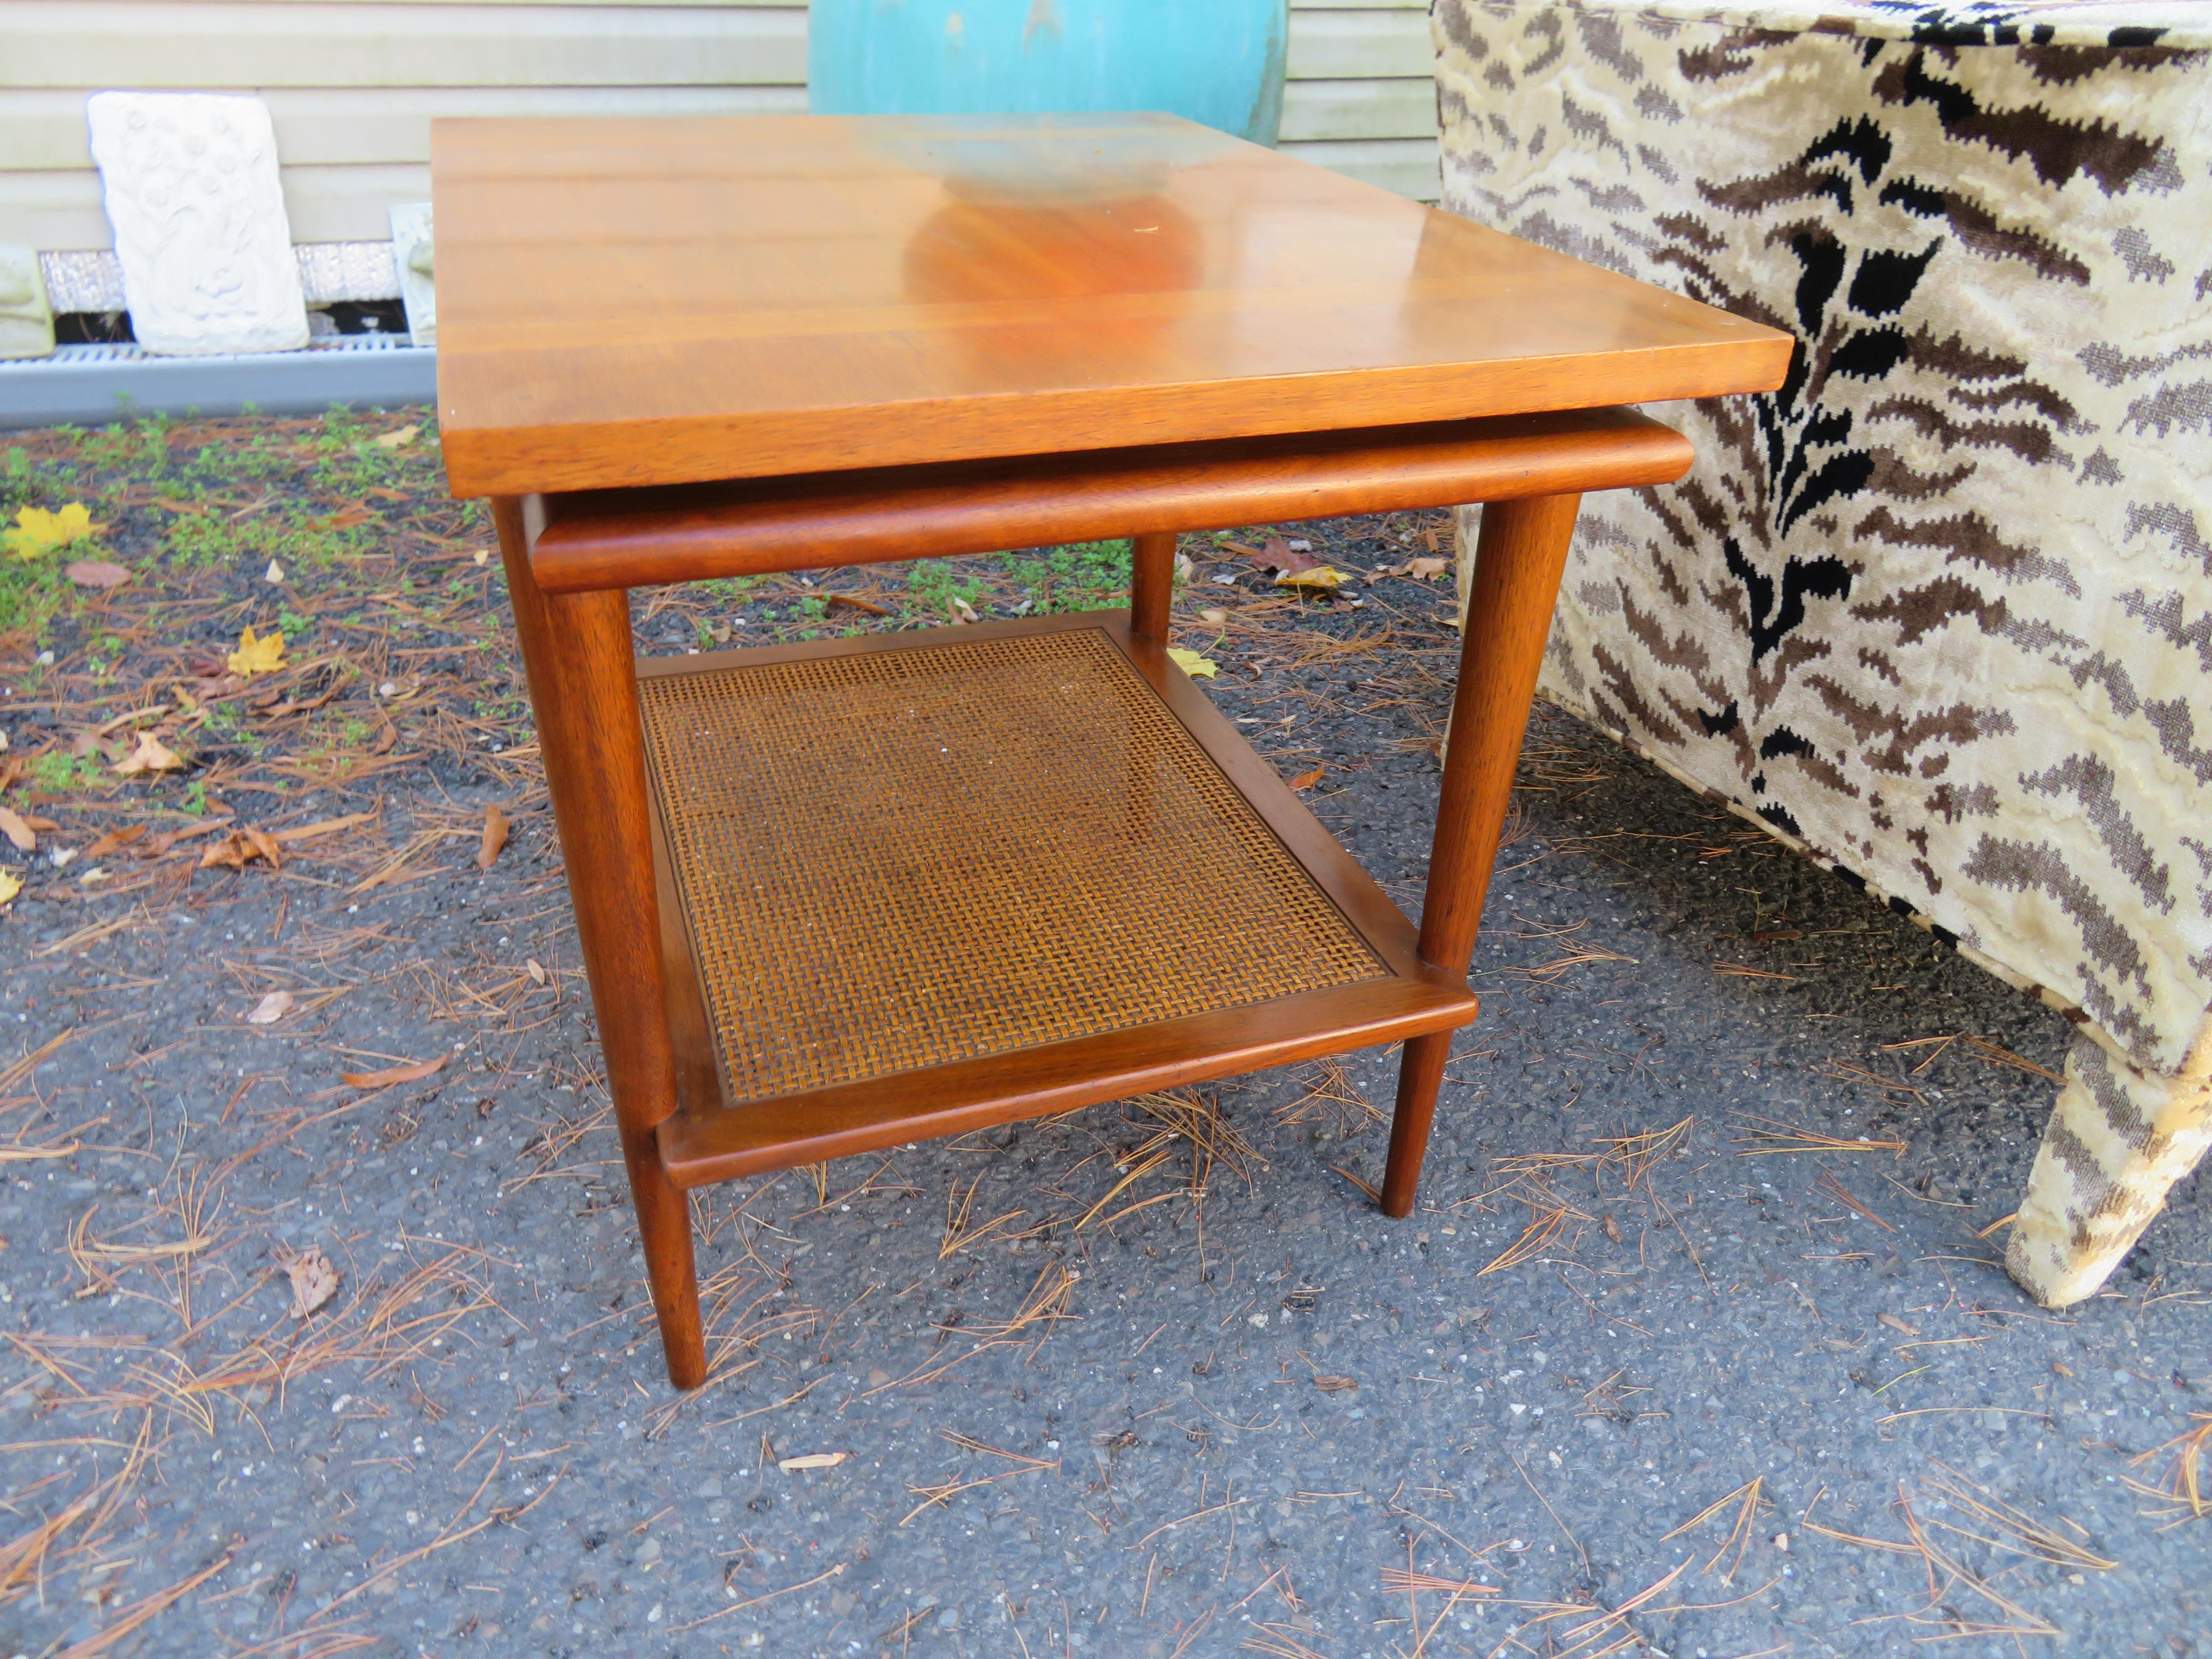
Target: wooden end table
{"points": [[843, 895]]}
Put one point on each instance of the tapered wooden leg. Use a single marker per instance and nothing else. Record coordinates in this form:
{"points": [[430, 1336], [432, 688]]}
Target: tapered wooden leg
{"points": [[1518, 563], [577, 654], [1151, 585]]}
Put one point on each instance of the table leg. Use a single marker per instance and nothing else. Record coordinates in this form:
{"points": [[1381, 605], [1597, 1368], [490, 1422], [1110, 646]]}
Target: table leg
{"points": [[1152, 584], [1518, 563], [578, 652]]}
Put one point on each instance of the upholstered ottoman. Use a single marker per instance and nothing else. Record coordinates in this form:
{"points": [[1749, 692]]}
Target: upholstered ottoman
{"points": [[1939, 612]]}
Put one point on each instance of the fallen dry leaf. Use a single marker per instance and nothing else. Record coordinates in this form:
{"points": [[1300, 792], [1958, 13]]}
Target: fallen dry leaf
{"points": [[1422, 569], [322, 827], [36, 531], [1214, 618], [1279, 556], [270, 1009], [314, 1281], [240, 848], [495, 838], [398, 440], [1335, 1384], [96, 573], [10, 884], [1307, 779], [1193, 663], [13, 827], [351, 518], [411, 1072], [812, 1461], [263, 655], [115, 841], [151, 755], [962, 610], [532, 966], [1896, 1324], [1320, 577]]}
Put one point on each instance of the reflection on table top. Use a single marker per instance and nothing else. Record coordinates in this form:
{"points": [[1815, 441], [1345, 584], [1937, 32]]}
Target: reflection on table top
{"points": [[628, 302]]}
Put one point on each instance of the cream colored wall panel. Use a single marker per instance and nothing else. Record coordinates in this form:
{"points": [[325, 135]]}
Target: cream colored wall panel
{"points": [[53, 210], [349, 126], [1345, 44], [43, 127], [346, 125], [1406, 165], [1358, 109], [147, 45], [763, 4], [350, 204]]}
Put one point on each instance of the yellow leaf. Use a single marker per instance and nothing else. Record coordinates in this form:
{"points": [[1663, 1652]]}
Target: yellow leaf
{"points": [[1197, 668], [257, 656], [399, 439], [151, 755], [1321, 576], [37, 530], [10, 884]]}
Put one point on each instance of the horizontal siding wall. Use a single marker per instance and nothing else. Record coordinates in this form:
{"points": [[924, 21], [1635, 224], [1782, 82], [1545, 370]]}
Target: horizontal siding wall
{"points": [[1360, 92], [352, 85]]}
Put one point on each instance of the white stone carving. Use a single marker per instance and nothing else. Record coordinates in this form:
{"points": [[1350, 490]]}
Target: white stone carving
{"points": [[414, 251], [26, 322], [192, 191]]}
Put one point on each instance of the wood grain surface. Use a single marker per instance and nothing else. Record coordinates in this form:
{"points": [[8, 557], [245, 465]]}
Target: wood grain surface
{"points": [[576, 651], [1518, 563], [1412, 998], [689, 532], [628, 301]]}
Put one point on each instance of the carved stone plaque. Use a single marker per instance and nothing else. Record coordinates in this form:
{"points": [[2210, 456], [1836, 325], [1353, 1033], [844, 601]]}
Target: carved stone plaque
{"points": [[192, 191], [414, 250], [26, 322]]}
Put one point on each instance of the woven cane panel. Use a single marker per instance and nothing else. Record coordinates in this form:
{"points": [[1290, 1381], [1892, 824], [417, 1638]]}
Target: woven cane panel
{"points": [[898, 859]]}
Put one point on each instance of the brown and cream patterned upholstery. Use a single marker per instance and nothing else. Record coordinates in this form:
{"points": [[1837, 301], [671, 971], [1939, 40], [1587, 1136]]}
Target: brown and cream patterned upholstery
{"points": [[1939, 612]]}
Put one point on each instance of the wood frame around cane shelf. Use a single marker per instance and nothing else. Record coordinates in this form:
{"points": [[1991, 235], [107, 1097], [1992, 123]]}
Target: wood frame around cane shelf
{"points": [[842, 341]]}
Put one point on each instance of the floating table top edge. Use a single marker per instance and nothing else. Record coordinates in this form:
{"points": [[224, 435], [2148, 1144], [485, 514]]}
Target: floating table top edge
{"points": [[622, 538], [591, 455], [640, 301], [1402, 997]]}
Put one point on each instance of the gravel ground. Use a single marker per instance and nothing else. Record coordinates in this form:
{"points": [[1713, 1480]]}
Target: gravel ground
{"points": [[980, 1398]]}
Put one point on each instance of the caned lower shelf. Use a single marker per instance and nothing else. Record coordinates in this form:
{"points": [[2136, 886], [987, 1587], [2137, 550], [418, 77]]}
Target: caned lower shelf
{"points": [[916, 884]]}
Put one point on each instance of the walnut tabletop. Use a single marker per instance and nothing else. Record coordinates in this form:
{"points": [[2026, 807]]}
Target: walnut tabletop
{"points": [[628, 303]]}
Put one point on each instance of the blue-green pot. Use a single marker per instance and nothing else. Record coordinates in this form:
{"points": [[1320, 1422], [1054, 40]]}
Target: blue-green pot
{"points": [[1218, 62]]}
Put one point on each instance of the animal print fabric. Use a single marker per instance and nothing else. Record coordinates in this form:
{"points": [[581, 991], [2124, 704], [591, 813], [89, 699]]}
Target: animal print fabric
{"points": [[1940, 610]]}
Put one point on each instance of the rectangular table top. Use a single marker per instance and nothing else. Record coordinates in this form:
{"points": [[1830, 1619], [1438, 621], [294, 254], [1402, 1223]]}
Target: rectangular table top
{"points": [[667, 300]]}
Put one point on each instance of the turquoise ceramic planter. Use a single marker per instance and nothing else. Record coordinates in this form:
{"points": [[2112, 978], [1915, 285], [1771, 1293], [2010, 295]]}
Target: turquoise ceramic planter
{"points": [[1218, 62]]}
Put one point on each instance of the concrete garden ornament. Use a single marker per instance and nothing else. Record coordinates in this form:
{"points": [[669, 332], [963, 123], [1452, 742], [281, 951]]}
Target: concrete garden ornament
{"points": [[191, 189], [415, 253], [26, 322]]}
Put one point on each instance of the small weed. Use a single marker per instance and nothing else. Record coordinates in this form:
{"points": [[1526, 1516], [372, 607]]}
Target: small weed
{"points": [[722, 587], [18, 484], [933, 585], [293, 625], [1081, 576], [812, 609], [58, 773]]}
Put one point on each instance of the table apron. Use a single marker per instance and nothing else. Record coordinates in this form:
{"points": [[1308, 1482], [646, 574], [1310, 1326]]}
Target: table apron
{"points": [[627, 538]]}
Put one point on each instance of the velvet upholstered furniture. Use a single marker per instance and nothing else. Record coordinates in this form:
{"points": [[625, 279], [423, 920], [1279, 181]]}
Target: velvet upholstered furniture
{"points": [[1938, 612], [842, 894]]}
